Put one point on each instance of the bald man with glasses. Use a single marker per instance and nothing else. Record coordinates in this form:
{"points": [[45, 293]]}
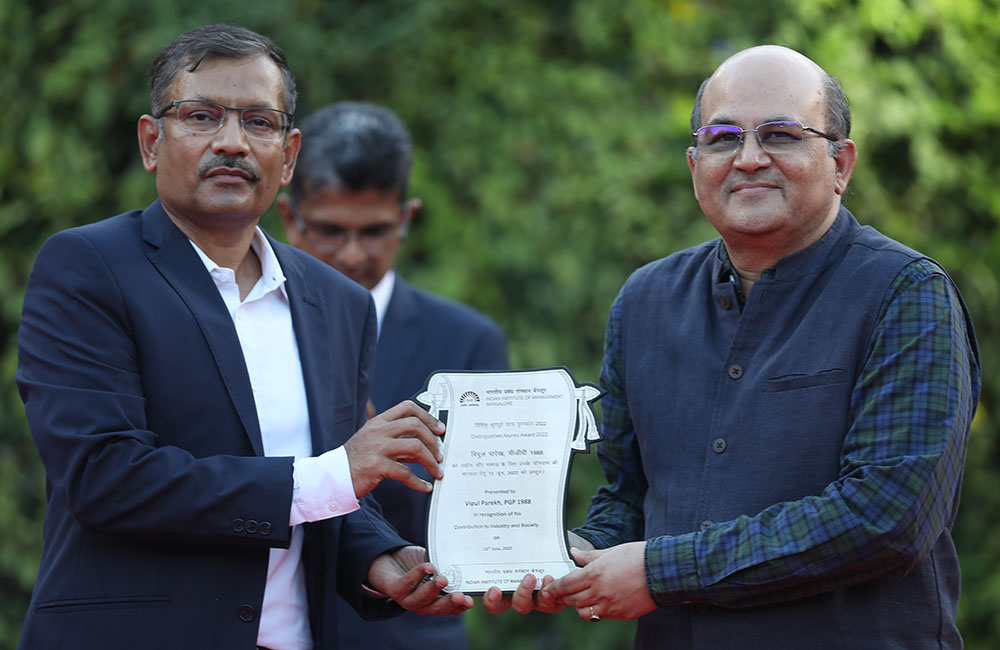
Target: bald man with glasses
{"points": [[787, 407]]}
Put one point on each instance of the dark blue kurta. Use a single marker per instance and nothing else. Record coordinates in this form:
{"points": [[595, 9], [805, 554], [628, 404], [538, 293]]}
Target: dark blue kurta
{"points": [[796, 477]]}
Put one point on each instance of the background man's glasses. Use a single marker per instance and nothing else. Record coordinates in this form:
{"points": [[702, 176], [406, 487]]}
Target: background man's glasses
{"points": [[199, 116], [774, 137], [328, 238]]}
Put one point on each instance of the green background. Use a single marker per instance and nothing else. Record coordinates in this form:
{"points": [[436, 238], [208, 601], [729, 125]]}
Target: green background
{"points": [[550, 141]]}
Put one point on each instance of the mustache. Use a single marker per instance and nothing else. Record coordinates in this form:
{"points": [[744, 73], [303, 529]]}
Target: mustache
{"points": [[228, 161], [744, 178]]}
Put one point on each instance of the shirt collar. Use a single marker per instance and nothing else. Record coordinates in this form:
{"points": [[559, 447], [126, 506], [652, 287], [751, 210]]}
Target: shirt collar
{"points": [[271, 277], [382, 293], [725, 272]]}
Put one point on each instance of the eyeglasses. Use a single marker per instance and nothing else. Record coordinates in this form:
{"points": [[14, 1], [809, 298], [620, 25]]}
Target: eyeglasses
{"points": [[329, 238], [774, 137], [200, 116]]}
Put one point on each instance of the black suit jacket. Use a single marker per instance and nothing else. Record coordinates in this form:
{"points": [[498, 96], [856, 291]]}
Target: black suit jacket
{"points": [[421, 333], [161, 506]]}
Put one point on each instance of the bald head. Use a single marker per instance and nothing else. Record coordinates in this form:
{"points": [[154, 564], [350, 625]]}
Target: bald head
{"points": [[768, 65], [768, 57], [768, 203]]}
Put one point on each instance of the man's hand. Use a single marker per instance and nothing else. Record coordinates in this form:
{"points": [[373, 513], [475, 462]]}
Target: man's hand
{"points": [[405, 433], [406, 577], [611, 584], [525, 599]]}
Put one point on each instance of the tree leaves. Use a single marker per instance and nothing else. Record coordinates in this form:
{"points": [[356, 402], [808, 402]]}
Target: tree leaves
{"points": [[550, 142]]}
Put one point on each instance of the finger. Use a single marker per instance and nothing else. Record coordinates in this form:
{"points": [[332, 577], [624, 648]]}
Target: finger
{"points": [[407, 589], [580, 599], [408, 450], [466, 601], [545, 600], [448, 604], [571, 583], [585, 557], [495, 602], [523, 600], [413, 427], [431, 422], [589, 613], [430, 592], [423, 593], [410, 408], [404, 475], [406, 429], [430, 599], [418, 576]]}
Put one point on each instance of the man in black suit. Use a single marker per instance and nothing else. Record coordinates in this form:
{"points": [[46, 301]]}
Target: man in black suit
{"points": [[194, 388], [349, 208]]}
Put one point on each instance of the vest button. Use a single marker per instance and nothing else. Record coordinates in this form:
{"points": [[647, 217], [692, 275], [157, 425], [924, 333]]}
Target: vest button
{"points": [[735, 371], [705, 524], [719, 445], [725, 302], [247, 613]]}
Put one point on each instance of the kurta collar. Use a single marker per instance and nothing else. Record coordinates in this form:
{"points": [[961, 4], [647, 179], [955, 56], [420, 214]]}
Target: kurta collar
{"points": [[805, 262]]}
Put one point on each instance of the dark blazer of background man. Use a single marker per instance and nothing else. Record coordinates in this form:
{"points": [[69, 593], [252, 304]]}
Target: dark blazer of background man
{"points": [[349, 208], [166, 513]]}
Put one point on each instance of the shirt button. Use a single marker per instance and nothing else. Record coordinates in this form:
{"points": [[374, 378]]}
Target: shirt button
{"points": [[333, 507], [705, 524], [725, 302], [735, 371], [719, 445], [247, 613]]}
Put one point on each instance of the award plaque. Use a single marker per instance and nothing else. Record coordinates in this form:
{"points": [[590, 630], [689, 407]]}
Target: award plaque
{"points": [[499, 511]]}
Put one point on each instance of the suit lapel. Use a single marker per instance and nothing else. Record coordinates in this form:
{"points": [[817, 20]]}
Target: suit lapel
{"points": [[313, 324], [395, 348], [176, 260]]}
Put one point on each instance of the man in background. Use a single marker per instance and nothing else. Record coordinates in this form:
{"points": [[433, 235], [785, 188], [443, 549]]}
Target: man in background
{"points": [[349, 208]]}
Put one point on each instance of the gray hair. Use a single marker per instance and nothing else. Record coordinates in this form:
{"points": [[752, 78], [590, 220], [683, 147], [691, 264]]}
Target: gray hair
{"points": [[208, 41], [354, 146]]}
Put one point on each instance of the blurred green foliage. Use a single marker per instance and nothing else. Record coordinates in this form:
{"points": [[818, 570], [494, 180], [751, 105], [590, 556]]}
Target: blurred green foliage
{"points": [[550, 143]]}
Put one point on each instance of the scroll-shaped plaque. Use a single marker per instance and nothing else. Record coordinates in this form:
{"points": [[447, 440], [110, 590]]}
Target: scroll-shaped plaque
{"points": [[499, 512]]}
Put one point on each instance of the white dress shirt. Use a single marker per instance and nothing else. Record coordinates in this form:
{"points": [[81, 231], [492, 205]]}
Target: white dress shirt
{"points": [[322, 485], [381, 294]]}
